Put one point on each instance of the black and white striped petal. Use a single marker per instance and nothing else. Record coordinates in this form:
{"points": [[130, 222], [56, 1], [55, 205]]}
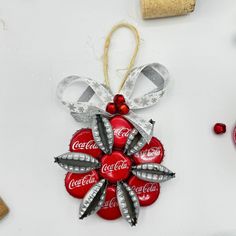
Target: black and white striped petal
{"points": [[135, 141], [128, 203], [103, 133], [93, 200], [76, 162], [152, 172]]}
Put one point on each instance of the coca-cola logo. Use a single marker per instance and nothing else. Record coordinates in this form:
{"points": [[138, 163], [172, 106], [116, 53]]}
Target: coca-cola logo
{"points": [[86, 180], [112, 203], [77, 145], [122, 132], [119, 165], [148, 153], [147, 188]]}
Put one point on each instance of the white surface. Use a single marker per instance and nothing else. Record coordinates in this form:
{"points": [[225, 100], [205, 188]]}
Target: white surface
{"points": [[43, 41]]}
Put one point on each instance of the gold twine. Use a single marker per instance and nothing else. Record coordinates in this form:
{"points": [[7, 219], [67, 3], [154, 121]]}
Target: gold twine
{"points": [[106, 50], [3, 209], [163, 8]]}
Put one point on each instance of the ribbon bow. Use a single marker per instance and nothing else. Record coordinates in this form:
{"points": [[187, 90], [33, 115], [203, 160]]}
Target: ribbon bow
{"points": [[83, 110]]}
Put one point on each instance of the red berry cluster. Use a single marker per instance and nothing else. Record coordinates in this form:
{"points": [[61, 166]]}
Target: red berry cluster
{"points": [[118, 105]]}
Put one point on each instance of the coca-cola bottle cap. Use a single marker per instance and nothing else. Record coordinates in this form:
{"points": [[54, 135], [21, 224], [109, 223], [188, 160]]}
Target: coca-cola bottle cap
{"points": [[150, 153], [82, 141], [147, 192], [115, 167], [77, 185], [110, 209], [122, 129]]}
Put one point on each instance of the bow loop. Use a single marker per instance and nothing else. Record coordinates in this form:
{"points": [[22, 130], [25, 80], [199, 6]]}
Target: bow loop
{"points": [[157, 74], [100, 90]]}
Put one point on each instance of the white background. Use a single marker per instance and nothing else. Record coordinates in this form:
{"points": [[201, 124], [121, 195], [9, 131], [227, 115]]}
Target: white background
{"points": [[43, 41]]}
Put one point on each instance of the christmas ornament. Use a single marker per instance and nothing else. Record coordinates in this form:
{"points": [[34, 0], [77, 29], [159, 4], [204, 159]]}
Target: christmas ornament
{"points": [[219, 128], [114, 165]]}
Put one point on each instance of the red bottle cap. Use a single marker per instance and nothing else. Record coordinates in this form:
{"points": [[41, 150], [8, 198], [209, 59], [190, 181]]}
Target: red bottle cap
{"points": [[150, 153], [234, 135], [82, 141], [77, 185], [110, 209], [147, 192], [115, 167], [122, 129]]}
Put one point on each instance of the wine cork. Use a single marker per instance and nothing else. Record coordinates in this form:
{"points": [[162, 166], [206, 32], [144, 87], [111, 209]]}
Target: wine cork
{"points": [[163, 8], [3, 209]]}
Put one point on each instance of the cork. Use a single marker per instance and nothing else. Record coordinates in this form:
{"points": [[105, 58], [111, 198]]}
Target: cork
{"points": [[3, 209], [164, 8]]}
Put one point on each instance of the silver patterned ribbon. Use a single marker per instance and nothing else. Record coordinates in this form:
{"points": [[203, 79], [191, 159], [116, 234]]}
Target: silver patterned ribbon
{"points": [[83, 110]]}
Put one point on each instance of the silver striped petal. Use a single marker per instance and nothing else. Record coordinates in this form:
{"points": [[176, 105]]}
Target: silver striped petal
{"points": [[128, 203], [103, 133], [76, 162], [93, 200], [135, 141], [152, 172]]}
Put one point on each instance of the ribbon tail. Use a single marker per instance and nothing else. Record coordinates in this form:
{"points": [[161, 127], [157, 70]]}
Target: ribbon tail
{"points": [[144, 127]]}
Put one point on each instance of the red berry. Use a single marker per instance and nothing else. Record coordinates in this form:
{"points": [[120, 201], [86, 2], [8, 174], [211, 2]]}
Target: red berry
{"points": [[77, 185], [219, 128], [123, 109], [147, 192], [150, 153], [110, 209], [122, 129], [119, 99], [115, 167], [82, 141], [111, 108]]}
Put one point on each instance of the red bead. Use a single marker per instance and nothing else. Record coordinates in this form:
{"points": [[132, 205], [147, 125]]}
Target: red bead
{"points": [[150, 153], [122, 129], [219, 128], [115, 167], [234, 135], [123, 109], [82, 141], [111, 108], [110, 209], [119, 99], [147, 192], [77, 185]]}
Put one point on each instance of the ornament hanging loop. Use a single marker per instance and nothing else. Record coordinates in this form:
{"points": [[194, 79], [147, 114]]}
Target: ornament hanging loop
{"points": [[106, 50]]}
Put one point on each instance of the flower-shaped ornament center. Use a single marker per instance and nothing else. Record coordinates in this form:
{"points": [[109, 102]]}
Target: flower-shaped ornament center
{"points": [[115, 166]]}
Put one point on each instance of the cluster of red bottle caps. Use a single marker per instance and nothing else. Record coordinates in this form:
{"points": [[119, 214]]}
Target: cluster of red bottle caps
{"points": [[114, 169]]}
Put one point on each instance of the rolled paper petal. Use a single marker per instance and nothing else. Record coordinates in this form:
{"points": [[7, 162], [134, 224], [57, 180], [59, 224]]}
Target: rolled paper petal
{"points": [[103, 133], [152, 172], [93, 200], [128, 203], [135, 141], [76, 162]]}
